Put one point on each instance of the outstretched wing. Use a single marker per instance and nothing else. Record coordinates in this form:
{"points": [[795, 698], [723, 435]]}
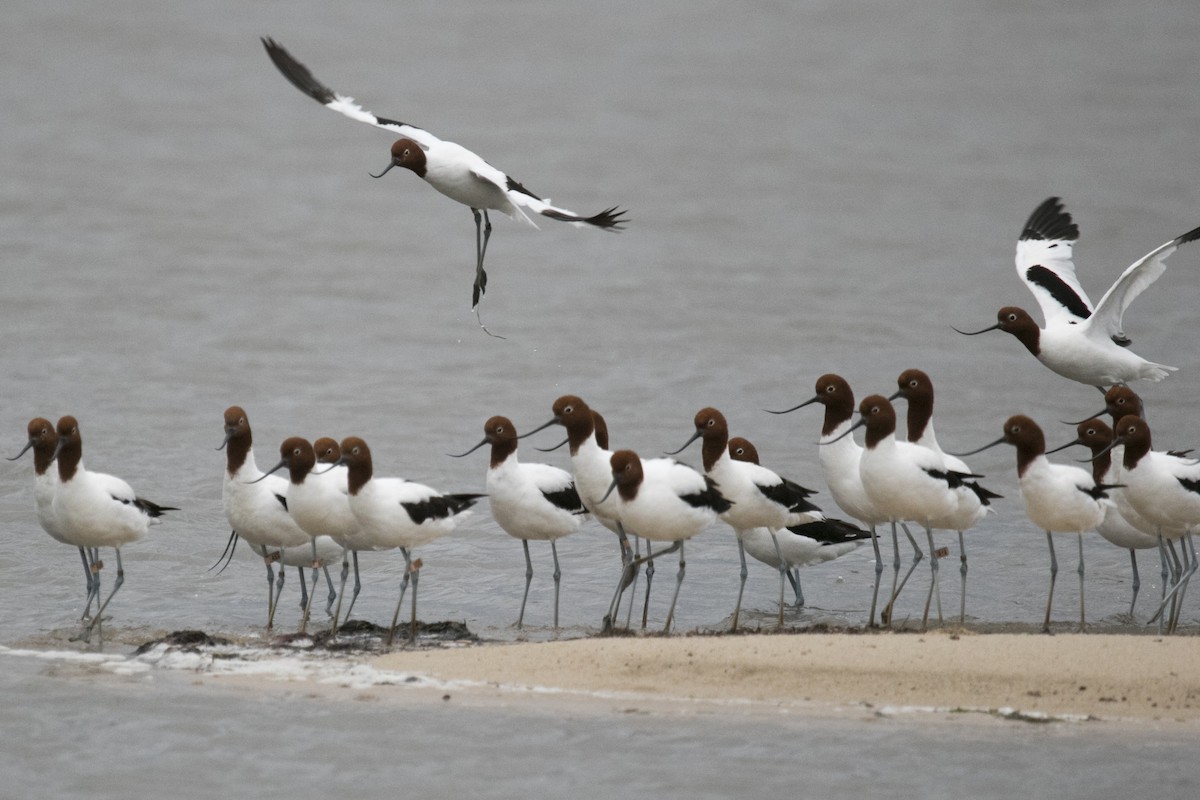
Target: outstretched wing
{"points": [[1044, 263], [302, 79], [1106, 320]]}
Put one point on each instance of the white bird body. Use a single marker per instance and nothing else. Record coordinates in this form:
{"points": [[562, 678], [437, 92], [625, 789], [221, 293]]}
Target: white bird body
{"points": [[257, 509], [916, 387], [382, 508], [528, 500], [840, 460], [1163, 488], [319, 502], [590, 461], [302, 555], [664, 504], [1080, 342], [518, 494], [1058, 499], [797, 549], [590, 466], [759, 496], [94, 509], [394, 512], [904, 480]]}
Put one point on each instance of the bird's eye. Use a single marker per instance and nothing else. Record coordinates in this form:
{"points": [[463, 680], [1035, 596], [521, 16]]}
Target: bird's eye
{"points": [[711, 422], [568, 409], [499, 429], [1012, 317], [830, 390]]}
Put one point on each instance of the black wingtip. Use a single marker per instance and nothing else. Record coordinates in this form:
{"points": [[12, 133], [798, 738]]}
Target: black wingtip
{"points": [[296, 73], [1049, 221], [610, 219], [1190, 236]]}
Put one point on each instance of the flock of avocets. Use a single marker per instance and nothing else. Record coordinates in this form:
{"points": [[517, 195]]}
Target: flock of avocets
{"points": [[331, 506]]}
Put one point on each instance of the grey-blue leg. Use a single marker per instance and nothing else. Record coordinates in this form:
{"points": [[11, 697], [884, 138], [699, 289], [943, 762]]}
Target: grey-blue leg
{"points": [[1190, 540], [741, 586], [649, 580], [886, 614], [480, 251], [793, 576], [631, 581], [933, 581], [97, 621], [1053, 576], [87, 572], [273, 600], [332, 592], [890, 609], [1083, 621], [1137, 581], [878, 576], [400, 600], [557, 579], [962, 571], [782, 571], [678, 582], [1178, 581], [357, 584], [316, 562], [528, 580], [337, 610], [303, 588]]}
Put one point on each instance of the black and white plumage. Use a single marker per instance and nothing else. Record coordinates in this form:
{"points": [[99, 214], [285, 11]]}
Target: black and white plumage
{"points": [[394, 512], [529, 500], [761, 498], [449, 168], [1080, 341], [661, 500], [1059, 498], [255, 505], [974, 500], [801, 545], [94, 510]]}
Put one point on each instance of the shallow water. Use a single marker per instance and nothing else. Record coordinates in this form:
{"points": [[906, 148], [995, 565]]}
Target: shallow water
{"points": [[812, 188]]}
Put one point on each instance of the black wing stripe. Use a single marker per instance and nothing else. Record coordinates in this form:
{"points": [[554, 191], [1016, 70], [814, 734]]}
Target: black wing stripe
{"points": [[1063, 294], [567, 499], [439, 506]]}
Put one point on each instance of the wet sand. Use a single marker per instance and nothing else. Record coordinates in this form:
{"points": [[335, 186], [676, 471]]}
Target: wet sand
{"points": [[1110, 677]]}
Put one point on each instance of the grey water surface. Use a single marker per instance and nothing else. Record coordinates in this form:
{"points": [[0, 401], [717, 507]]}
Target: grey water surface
{"points": [[813, 187]]}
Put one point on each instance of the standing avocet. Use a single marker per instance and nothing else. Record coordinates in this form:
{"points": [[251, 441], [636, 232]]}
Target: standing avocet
{"points": [[1059, 498], [394, 512], [528, 500], [664, 501], [95, 510]]}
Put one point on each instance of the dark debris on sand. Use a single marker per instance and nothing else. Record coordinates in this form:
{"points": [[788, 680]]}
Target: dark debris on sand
{"points": [[188, 641], [360, 635]]}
